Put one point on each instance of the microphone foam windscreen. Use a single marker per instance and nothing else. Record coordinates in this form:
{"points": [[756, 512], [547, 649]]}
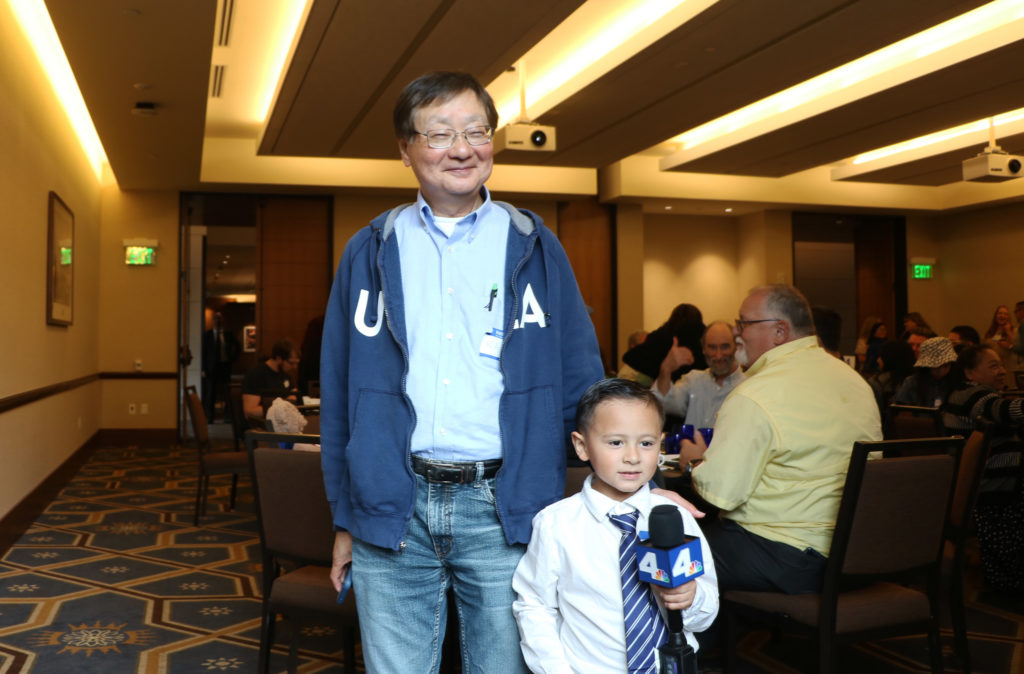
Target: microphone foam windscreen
{"points": [[665, 526]]}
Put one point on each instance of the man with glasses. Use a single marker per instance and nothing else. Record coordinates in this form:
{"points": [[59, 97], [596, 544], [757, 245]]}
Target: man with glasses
{"points": [[782, 446], [456, 346]]}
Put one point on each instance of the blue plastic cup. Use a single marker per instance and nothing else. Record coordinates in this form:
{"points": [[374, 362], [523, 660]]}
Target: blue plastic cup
{"points": [[707, 433], [685, 432]]}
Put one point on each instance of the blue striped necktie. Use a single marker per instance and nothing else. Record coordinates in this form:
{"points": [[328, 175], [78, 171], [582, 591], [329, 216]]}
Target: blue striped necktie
{"points": [[645, 630]]}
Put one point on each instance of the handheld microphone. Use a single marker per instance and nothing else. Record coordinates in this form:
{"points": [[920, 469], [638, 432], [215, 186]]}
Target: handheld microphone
{"points": [[670, 559]]}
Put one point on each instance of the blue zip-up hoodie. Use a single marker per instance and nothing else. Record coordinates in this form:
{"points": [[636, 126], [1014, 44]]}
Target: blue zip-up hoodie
{"points": [[548, 359]]}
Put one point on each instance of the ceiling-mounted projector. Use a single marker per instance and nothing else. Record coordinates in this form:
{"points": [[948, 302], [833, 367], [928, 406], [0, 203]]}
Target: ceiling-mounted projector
{"points": [[529, 137], [993, 166]]}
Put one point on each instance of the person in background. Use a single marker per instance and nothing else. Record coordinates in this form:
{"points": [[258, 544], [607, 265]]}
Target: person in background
{"points": [[828, 324], [697, 395], [933, 376], [1018, 334], [913, 321], [1000, 337], [309, 366], [963, 335], [275, 376], [872, 333], [220, 350], [915, 337], [782, 446], [999, 513], [636, 338], [895, 364], [684, 327]]}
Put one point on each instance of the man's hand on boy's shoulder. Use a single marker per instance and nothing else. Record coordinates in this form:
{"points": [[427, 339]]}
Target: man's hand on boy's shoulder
{"points": [[677, 598], [679, 501]]}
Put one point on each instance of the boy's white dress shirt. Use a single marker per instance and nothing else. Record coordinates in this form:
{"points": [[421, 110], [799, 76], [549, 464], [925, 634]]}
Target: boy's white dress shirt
{"points": [[569, 608]]}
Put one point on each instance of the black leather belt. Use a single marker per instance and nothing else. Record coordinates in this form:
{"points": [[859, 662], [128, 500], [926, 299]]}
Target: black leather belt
{"points": [[454, 472]]}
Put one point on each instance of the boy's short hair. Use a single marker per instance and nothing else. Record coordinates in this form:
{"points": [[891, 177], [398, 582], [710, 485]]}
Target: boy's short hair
{"points": [[614, 389]]}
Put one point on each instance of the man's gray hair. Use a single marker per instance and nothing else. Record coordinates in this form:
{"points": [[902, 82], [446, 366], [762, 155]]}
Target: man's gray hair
{"points": [[786, 302]]}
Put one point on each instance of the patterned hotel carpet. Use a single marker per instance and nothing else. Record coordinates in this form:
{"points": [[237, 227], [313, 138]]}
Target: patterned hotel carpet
{"points": [[112, 577]]}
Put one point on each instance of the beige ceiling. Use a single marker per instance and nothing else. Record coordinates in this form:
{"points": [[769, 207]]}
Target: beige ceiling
{"points": [[352, 58]]}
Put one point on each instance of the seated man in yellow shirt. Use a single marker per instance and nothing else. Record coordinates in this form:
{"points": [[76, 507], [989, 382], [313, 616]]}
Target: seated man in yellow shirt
{"points": [[782, 446]]}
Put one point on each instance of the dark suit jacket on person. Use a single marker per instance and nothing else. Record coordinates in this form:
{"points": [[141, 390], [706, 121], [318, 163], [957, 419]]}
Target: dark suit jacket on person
{"points": [[211, 353]]}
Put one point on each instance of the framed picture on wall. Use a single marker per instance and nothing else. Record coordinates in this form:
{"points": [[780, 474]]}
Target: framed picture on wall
{"points": [[249, 338], [60, 266]]}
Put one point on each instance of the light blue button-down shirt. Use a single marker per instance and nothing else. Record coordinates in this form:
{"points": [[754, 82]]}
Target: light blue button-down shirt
{"points": [[454, 288]]}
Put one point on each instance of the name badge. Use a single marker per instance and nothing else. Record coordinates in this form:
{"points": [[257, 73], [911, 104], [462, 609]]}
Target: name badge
{"points": [[490, 345]]}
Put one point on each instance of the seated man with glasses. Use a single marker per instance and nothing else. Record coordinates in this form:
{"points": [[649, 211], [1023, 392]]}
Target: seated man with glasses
{"points": [[455, 348], [782, 447], [273, 377]]}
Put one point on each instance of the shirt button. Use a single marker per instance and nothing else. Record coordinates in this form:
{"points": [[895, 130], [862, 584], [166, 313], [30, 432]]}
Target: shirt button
{"points": [[444, 432], [451, 291], [450, 249], [445, 381], [449, 336]]}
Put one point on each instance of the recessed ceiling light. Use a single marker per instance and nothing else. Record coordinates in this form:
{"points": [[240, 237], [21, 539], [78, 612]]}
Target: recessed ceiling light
{"points": [[668, 208], [728, 210], [141, 86]]}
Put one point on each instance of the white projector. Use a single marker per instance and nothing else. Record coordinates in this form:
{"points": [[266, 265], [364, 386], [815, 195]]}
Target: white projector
{"points": [[529, 137], [990, 167]]}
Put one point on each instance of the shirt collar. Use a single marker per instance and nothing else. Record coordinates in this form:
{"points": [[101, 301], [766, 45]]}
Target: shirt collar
{"points": [[781, 351], [600, 506], [466, 225]]}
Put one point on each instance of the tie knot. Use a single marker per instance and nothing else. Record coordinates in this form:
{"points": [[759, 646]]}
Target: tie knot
{"points": [[626, 522]]}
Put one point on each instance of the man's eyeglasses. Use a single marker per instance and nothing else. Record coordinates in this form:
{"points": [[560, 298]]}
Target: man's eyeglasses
{"points": [[442, 139], [742, 324]]}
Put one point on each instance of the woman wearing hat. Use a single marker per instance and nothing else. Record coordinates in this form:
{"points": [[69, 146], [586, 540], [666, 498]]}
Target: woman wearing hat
{"points": [[933, 376]]}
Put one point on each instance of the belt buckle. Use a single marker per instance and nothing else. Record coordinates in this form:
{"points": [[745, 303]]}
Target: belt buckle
{"points": [[440, 474]]}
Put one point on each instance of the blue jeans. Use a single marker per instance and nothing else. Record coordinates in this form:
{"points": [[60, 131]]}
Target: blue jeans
{"points": [[454, 540]]}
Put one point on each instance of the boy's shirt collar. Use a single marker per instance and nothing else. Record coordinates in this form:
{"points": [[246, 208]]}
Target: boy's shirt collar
{"points": [[600, 506]]}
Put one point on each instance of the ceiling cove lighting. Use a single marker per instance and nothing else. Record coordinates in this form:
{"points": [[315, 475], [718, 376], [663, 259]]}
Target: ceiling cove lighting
{"points": [[597, 37], [954, 138], [38, 28], [281, 41], [981, 30]]}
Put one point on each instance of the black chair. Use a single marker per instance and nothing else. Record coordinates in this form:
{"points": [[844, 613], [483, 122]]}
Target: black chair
{"points": [[211, 462], [238, 423], [954, 554], [912, 421], [296, 537], [889, 528]]}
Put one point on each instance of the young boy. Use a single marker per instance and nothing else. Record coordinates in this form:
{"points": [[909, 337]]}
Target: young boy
{"points": [[570, 605]]}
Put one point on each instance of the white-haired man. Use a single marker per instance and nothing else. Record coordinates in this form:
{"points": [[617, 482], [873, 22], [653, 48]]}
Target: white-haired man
{"points": [[782, 446]]}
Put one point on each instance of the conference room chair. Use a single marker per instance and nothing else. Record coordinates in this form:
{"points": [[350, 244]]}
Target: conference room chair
{"points": [[296, 544], [958, 525], [211, 462], [889, 530], [911, 421], [238, 423]]}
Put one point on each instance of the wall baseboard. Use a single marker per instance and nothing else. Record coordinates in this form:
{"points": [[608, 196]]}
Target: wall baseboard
{"points": [[21, 516]]}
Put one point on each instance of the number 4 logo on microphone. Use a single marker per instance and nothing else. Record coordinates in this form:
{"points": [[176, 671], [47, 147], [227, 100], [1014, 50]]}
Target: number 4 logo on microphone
{"points": [[673, 567]]}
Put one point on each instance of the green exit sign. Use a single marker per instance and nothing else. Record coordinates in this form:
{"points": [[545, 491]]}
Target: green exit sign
{"points": [[922, 271], [139, 255]]}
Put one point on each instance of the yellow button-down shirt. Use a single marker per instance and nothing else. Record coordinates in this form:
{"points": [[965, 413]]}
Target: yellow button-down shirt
{"points": [[782, 444]]}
